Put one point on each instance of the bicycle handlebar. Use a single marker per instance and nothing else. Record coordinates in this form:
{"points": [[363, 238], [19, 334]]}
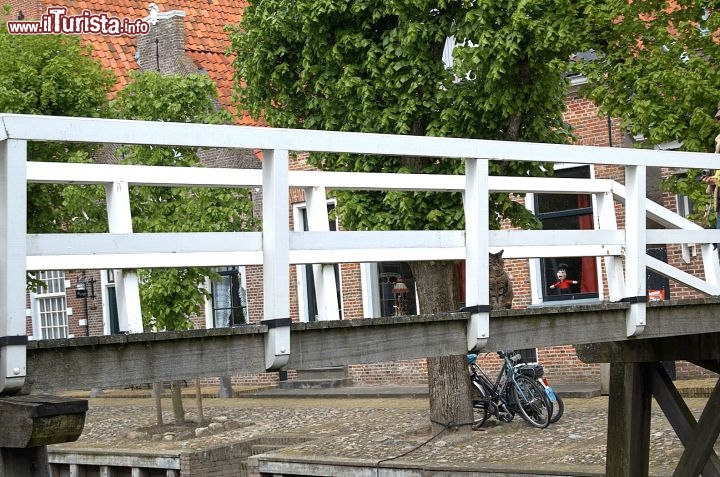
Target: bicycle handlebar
{"points": [[512, 355]]}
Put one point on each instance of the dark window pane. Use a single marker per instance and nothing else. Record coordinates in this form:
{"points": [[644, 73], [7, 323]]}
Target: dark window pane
{"points": [[555, 202], [567, 212], [229, 299], [397, 289]]}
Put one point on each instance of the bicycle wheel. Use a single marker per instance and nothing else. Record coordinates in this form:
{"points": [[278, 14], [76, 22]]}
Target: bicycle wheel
{"points": [[558, 408], [481, 405], [532, 402], [481, 412]]}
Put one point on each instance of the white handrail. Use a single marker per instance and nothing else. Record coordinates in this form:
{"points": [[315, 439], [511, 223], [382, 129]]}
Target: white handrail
{"points": [[276, 248]]}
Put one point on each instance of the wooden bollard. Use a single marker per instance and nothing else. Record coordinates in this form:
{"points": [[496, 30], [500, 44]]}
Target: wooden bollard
{"points": [[29, 423]]}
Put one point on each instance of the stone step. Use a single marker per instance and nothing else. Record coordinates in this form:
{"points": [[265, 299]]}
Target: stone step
{"points": [[330, 372], [315, 383]]}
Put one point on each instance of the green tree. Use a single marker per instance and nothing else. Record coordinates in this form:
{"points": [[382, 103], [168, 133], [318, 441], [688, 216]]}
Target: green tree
{"points": [[376, 66], [52, 75], [169, 297], [657, 68]]}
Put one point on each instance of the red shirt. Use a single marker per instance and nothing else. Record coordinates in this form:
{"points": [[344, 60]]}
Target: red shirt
{"points": [[563, 284]]}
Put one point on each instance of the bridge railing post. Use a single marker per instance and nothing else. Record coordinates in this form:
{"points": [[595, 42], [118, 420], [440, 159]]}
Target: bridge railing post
{"points": [[13, 229], [607, 220], [711, 265], [276, 258], [117, 197], [635, 248], [477, 237]]}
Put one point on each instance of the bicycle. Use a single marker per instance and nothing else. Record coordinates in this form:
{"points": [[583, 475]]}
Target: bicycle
{"points": [[511, 393], [536, 371]]}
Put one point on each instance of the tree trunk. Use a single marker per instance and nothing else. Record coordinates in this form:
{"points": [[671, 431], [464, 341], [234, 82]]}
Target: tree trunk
{"points": [[199, 402], [177, 404], [436, 286], [450, 399], [449, 385], [157, 391]]}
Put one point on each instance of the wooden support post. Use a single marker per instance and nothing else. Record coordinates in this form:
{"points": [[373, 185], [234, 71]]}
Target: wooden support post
{"points": [[29, 424], [700, 446], [107, 471], [30, 462], [678, 414], [628, 439]]}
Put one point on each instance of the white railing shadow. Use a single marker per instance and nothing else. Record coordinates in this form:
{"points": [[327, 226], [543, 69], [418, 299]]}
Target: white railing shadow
{"points": [[276, 247]]}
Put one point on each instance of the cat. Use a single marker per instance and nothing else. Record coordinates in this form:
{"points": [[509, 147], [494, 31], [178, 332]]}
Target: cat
{"points": [[501, 292]]}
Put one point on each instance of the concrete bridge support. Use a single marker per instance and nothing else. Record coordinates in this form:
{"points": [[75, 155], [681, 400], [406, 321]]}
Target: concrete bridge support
{"points": [[636, 377]]}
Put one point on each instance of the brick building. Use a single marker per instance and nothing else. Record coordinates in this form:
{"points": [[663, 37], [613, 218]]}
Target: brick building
{"points": [[188, 37]]}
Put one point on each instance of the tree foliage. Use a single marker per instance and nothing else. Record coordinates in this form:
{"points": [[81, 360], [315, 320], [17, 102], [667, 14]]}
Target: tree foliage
{"points": [[376, 66], [51, 75], [658, 68]]}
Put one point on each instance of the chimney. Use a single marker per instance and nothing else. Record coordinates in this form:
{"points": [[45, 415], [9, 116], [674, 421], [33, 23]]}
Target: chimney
{"points": [[163, 48]]}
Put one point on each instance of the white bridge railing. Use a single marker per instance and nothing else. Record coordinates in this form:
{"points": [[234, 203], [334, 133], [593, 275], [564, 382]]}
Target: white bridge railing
{"points": [[276, 247]]}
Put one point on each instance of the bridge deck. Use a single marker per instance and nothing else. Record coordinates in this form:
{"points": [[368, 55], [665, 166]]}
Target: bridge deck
{"points": [[106, 361]]}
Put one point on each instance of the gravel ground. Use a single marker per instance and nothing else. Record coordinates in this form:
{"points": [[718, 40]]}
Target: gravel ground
{"points": [[378, 429]]}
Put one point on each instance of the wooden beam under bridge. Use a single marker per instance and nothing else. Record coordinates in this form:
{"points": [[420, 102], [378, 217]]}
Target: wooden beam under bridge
{"points": [[637, 376], [122, 360]]}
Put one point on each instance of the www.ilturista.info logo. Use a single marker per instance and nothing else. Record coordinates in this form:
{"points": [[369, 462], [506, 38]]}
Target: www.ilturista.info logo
{"points": [[57, 21]]}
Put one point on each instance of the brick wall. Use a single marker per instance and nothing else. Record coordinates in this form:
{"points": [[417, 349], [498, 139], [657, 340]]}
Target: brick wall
{"points": [[589, 128], [27, 9], [226, 461], [395, 372]]}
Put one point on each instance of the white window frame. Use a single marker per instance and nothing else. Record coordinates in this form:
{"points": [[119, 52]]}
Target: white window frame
{"points": [[684, 208], [36, 298], [301, 282]]}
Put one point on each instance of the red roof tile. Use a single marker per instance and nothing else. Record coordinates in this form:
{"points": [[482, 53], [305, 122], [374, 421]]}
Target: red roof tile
{"points": [[205, 37]]}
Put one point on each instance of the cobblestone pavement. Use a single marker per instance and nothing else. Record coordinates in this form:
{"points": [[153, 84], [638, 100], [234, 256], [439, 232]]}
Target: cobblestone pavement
{"points": [[380, 429]]}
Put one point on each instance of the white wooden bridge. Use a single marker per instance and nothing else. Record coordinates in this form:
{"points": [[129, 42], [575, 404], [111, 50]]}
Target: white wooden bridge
{"points": [[276, 247]]}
